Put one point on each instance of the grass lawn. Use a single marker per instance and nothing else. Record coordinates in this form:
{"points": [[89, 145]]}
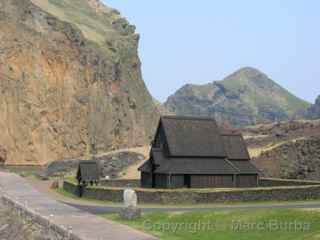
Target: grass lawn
{"points": [[268, 224]]}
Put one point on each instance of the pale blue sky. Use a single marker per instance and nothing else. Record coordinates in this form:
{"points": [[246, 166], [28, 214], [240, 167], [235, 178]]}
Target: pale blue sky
{"points": [[185, 41]]}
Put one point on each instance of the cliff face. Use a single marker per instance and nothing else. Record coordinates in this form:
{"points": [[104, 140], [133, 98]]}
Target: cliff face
{"points": [[70, 81], [246, 97]]}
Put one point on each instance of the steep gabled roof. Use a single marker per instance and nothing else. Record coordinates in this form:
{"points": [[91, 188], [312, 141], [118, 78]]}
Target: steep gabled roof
{"points": [[157, 156], [193, 137], [235, 147]]}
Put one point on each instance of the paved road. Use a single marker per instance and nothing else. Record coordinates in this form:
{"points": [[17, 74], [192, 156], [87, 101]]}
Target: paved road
{"points": [[98, 209], [83, 224]]}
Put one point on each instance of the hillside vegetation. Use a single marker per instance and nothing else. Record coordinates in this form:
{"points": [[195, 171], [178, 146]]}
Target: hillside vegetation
{"points": [[95, 25], [246, 97]]}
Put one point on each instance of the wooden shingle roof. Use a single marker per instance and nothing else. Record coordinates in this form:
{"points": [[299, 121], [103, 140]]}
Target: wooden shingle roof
{"points": [[244, 167], [196, 146], [196, 166], [193, 137], [190, 165], [235, 147], [146, 167]]}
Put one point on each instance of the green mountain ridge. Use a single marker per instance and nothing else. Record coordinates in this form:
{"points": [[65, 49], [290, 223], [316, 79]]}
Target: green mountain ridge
{"points": [[245, 97]]}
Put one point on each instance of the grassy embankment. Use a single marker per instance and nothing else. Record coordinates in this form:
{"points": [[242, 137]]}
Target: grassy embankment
{"points": [[280, 224]]}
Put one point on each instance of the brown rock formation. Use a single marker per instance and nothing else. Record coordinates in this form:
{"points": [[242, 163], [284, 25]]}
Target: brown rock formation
{"points": [[68, 88], [293, 160]]}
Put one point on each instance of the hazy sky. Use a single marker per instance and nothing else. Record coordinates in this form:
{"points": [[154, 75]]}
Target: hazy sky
{"points": [[185, 41]]}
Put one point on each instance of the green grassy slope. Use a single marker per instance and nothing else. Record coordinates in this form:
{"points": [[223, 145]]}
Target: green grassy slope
{"points": [[280, 224], [259, 89], [95, 27]]}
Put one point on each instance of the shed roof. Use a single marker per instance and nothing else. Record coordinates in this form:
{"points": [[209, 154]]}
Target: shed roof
{"points": [[191, 137], [88, 171], [235, 147]]}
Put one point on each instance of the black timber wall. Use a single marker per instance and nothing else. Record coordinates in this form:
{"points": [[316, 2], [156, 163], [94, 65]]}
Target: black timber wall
{"points": [[244, 181], [212, 181]]}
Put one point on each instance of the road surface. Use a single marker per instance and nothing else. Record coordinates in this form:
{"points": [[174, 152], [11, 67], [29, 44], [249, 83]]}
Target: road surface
{"points": [[84, 226]]}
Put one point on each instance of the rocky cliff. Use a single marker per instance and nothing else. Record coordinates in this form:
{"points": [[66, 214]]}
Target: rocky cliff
{"points": [[246, 97], [70, 81]]}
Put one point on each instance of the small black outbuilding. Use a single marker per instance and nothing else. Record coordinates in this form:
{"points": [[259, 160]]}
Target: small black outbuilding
{"points": [[194, 153], [88, 173]]}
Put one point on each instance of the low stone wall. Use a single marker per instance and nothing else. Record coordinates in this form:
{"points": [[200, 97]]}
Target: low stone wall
{"points": [[263, 182], [71, 188], [275, 182], [121, 183], [55, 232], [205, 196], [104, 194]]}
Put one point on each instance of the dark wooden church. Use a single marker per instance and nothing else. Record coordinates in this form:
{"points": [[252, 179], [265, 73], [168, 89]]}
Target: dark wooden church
{"points": [[192, 152]]}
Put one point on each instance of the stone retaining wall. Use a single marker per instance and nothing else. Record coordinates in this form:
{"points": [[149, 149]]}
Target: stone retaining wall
{"points": [[121, 183], [71, 188], [193, 196], [263, 182], [55, 232], [276, 182]]}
